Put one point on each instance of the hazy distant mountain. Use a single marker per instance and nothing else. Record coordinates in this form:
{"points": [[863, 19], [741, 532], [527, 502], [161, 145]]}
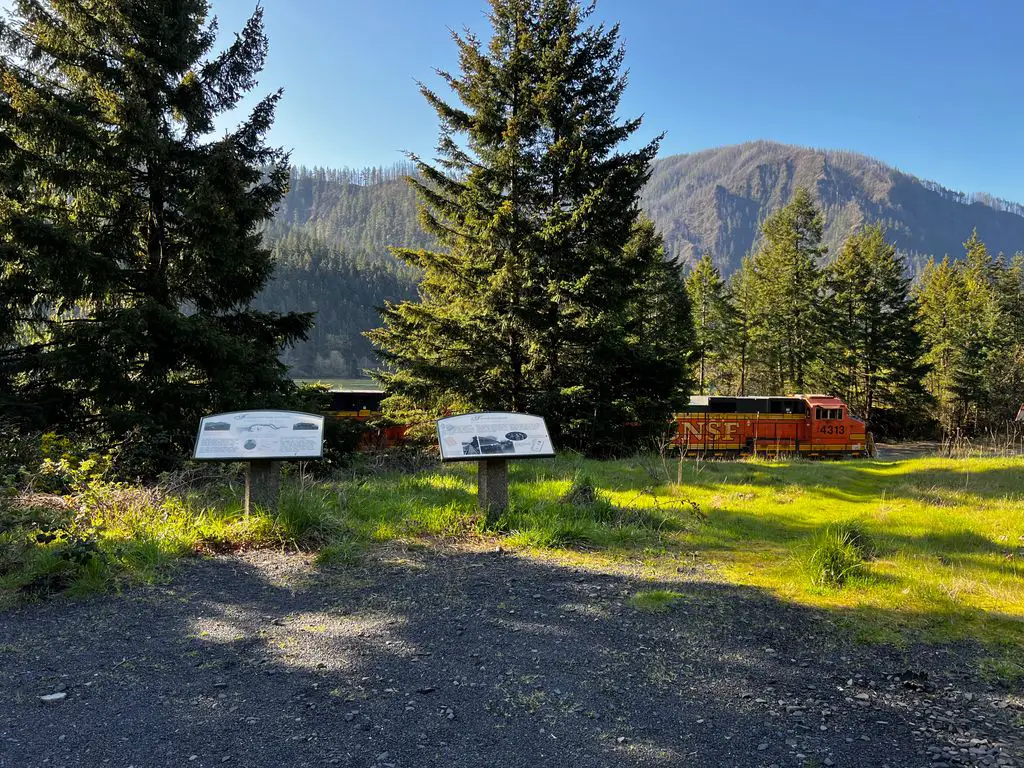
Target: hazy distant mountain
{"points": [[716, 200]]}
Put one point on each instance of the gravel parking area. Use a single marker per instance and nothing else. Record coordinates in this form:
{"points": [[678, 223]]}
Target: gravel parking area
{"points": [[473, 658]]}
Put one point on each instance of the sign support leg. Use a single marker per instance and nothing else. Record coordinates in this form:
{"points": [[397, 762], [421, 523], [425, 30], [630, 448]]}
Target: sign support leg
{"points": [[262, 485], [492, 487]]}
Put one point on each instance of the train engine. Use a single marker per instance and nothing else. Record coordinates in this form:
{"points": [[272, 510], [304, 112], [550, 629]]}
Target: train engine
{"points": [[807, 425]]}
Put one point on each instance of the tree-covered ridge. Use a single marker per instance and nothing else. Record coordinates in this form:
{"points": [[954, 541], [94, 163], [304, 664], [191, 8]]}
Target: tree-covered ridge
{"points": [[345, 290], [707, 202], [716, 200], [365, 211]]}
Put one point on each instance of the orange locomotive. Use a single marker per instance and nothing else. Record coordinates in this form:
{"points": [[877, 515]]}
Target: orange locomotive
{"points": [[809, 425], [360, 405]]}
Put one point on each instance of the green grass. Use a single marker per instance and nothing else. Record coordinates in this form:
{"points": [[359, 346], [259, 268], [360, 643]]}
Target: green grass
{"points": [[655, 600], [925, 549]]}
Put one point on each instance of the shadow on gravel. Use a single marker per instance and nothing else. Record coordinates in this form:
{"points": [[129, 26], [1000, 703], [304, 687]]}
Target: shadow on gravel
{"points": [[469, 659]]}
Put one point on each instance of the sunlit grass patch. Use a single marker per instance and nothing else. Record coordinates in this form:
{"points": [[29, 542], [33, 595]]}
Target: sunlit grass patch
{"points": [[655, 600]]}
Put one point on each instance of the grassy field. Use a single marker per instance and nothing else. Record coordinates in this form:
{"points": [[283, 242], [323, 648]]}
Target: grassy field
{"points": [[916, 550]]}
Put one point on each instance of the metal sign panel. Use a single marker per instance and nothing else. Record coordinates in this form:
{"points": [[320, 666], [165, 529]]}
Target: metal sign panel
{"points": [[245, 435], [475, 436]]}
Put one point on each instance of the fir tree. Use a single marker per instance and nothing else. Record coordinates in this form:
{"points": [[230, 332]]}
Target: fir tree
{"points": [[787, 279], [712, 322], [873, 353], [136, 234], [531, 300], [743, 295], [939, 295]]}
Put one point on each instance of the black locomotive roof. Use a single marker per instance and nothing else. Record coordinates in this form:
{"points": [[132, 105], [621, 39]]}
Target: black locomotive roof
{"points": [[746, 404]]}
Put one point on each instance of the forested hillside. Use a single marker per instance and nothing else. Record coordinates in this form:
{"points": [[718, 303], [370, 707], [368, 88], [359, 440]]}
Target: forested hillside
{"points": [[344, 288], [714, 201], [709, 202], [357, 211]]}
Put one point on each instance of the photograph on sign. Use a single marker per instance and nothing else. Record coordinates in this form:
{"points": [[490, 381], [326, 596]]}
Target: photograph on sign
{"points": [[475, 436], [246, 435]]}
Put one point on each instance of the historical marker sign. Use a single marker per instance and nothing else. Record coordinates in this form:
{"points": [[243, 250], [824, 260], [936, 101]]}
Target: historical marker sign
{"points": [[492, 439], [476, 436], [248, 435]]}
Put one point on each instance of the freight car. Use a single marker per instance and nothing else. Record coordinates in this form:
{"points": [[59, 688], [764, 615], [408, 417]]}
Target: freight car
{"points": [[808, 425], [361, 405]]}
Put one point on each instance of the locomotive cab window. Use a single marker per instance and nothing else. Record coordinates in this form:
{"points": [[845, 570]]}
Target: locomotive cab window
{"points": [[828, 413]]}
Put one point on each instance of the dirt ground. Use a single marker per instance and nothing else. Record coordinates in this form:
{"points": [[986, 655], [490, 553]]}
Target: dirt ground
{"points": [[474, 658]]}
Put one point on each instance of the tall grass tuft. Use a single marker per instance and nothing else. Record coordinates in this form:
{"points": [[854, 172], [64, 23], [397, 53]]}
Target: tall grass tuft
{"points": [[837, 554]]}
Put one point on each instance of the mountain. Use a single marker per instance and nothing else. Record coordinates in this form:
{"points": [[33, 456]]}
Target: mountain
{"points": [[715, 201], [332, 230]]}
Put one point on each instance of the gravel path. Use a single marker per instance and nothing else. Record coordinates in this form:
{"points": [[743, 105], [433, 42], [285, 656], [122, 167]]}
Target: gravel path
{"points": [[470, 658]]}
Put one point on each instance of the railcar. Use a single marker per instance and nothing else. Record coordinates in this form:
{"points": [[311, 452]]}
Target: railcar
{"points": [[807, 425], [361, 405]]}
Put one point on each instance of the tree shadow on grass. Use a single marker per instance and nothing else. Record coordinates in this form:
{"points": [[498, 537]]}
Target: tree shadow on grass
{"points": [[468, 659]]}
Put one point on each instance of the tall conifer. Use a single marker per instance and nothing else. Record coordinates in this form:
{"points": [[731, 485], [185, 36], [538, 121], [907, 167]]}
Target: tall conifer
{"points": [[134, 232], [538, 297], [713, 323], [872, 355], [787, 276]]}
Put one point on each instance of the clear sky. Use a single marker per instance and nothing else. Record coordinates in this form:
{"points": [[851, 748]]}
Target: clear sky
{"points": [[934, 87]]}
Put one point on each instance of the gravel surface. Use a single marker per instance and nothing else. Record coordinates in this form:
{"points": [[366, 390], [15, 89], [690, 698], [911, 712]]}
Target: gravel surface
{"points": [[472, 658]]}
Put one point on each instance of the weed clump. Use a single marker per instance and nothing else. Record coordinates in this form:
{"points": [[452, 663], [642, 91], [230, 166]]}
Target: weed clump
{"points": [[838, 553], [581, 492]]}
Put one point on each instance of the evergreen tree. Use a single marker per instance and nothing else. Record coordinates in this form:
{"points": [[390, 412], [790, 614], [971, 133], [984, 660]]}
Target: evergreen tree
{"points": [[713, 322], [530, 301], [970, 317], [787, 280], [939, 295], [873, 354], [136, 235], [744, 303]]}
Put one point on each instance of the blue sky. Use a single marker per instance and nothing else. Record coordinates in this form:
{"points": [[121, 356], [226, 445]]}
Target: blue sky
{"points": [[933, 87]]}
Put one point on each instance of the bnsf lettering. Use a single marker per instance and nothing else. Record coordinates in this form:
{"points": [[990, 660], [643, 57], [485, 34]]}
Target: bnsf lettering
{"points": [[717, 430]]}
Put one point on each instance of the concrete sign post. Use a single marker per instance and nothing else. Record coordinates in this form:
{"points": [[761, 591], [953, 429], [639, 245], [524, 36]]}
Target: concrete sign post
{"points": [[262, 439], [491, 440]]}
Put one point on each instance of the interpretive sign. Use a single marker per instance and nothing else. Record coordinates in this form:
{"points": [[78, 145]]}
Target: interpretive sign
{"points": [[492, 439], [249, 435], [476, 436]]}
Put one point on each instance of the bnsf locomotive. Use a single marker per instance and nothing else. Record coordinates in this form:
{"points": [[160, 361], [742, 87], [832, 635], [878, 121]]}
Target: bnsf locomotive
{"points": [[810, 425], [360, 405]]}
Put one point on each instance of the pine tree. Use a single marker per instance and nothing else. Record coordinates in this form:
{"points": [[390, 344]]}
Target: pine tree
{"points": [[712, 322], [531, 301], [787, 281], [874, 349], [135, 233]]}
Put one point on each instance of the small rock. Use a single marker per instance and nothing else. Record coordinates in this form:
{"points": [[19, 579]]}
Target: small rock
{"points": [[762, 746], [51, 698]]}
